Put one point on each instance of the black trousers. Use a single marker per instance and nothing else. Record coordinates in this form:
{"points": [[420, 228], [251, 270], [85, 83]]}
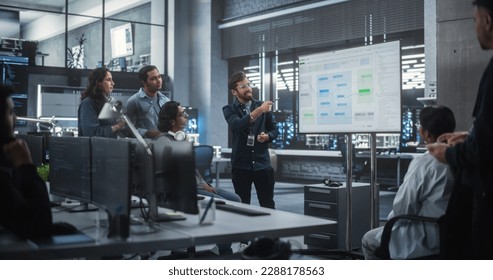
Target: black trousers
{"points": [[264, 185]]}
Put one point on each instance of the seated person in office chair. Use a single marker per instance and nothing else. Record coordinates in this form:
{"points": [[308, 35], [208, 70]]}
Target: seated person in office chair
{"points": [[25, 206], [172, 121], [425, 191]]}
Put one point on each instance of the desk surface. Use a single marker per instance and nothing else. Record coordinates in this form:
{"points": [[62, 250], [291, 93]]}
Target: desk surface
{"points": [[228, 227]]}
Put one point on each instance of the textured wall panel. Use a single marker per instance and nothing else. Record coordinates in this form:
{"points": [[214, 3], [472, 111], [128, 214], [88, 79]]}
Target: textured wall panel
{"points": [[460, 64], [334, 23]]}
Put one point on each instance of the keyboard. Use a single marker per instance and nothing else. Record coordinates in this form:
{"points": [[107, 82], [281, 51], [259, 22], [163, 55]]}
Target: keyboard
{"points": [[241, 210]]}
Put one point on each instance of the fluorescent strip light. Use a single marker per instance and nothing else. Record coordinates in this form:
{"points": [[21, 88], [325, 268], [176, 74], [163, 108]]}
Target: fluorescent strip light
{"points": [[413, 56], [420, 70], [413, 47], [409, 61], [285, 63], [251, 67]]}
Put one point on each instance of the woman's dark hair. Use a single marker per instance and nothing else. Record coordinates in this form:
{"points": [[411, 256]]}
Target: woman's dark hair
{"points": [[143, 73], [235, 78], [93, 90], [437, 120], [167, 114]]}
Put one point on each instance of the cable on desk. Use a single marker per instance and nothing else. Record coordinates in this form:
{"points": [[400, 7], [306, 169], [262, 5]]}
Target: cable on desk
{"points": [[144, 211]]}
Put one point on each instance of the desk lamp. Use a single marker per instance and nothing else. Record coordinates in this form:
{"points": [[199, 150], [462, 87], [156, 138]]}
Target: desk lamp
{"points": [[114, 111]]}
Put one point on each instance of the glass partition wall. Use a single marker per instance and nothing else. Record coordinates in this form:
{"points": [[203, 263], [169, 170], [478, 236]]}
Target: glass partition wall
{"points": [[121, 34]]}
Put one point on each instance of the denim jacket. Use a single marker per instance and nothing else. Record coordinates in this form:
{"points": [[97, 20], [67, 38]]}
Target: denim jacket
{"points": [[89, 124], [140, 111]]}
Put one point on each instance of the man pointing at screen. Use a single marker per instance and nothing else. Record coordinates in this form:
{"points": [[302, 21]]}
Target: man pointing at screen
{"points": [[253, 127]]}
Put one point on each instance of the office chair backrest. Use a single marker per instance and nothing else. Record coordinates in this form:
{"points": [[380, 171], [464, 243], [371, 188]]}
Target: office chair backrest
{"points": [[383, 251], [203, 161]]}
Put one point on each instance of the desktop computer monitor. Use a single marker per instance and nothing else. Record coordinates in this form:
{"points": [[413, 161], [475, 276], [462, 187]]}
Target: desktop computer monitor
{"points": [[142, 173], [70, 169], [111, 182], [174, 175]]}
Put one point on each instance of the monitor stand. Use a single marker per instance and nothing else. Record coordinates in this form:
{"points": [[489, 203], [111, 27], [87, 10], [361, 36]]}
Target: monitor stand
{"points": [[169, 217], [155, 216]]}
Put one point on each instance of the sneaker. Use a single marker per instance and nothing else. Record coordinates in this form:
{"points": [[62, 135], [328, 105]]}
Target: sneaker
{"points": [[242, 247]]}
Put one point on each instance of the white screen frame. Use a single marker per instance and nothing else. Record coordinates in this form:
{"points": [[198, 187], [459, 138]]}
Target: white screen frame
{"points": [[330, 103]]}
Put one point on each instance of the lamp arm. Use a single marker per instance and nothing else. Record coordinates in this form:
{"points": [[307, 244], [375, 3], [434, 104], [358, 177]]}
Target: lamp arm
{"points": [[50, 122], [137, 134]]}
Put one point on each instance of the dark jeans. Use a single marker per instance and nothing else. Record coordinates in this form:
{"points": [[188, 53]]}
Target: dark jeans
{"points": [[264, 184]]}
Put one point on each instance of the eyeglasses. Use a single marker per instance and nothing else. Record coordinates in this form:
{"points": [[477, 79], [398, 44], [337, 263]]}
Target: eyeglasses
{"points": [[184, 115], [244, 86]]}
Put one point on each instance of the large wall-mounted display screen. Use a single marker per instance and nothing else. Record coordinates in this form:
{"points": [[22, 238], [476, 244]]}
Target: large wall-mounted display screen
{"points": [[355, 90]]}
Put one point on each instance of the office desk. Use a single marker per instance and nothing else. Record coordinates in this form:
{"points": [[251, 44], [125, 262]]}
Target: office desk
{"points": [[86, 222], [228, 227], [216, 162]]}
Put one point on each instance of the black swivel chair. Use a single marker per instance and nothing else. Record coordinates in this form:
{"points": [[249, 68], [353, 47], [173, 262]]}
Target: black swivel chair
{"points": [[203, 161], [383, 251]]}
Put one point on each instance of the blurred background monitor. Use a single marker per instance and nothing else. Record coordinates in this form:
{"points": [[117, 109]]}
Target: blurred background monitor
{"points": [[111, 161], [13, 72], [174, 169], [20, 107], [70, 170], [193, 121]]}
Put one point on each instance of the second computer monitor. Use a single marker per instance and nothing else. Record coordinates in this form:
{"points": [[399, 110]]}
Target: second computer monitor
{"points": [[111, 161], [174, 167], [70, 167]]}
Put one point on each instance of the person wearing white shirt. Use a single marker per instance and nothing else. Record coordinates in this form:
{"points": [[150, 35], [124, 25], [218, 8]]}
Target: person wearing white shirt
{"points": [[425, 191]]}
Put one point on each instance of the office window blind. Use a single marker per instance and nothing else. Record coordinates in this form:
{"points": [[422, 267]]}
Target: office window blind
{"points": [[334, 23]]}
